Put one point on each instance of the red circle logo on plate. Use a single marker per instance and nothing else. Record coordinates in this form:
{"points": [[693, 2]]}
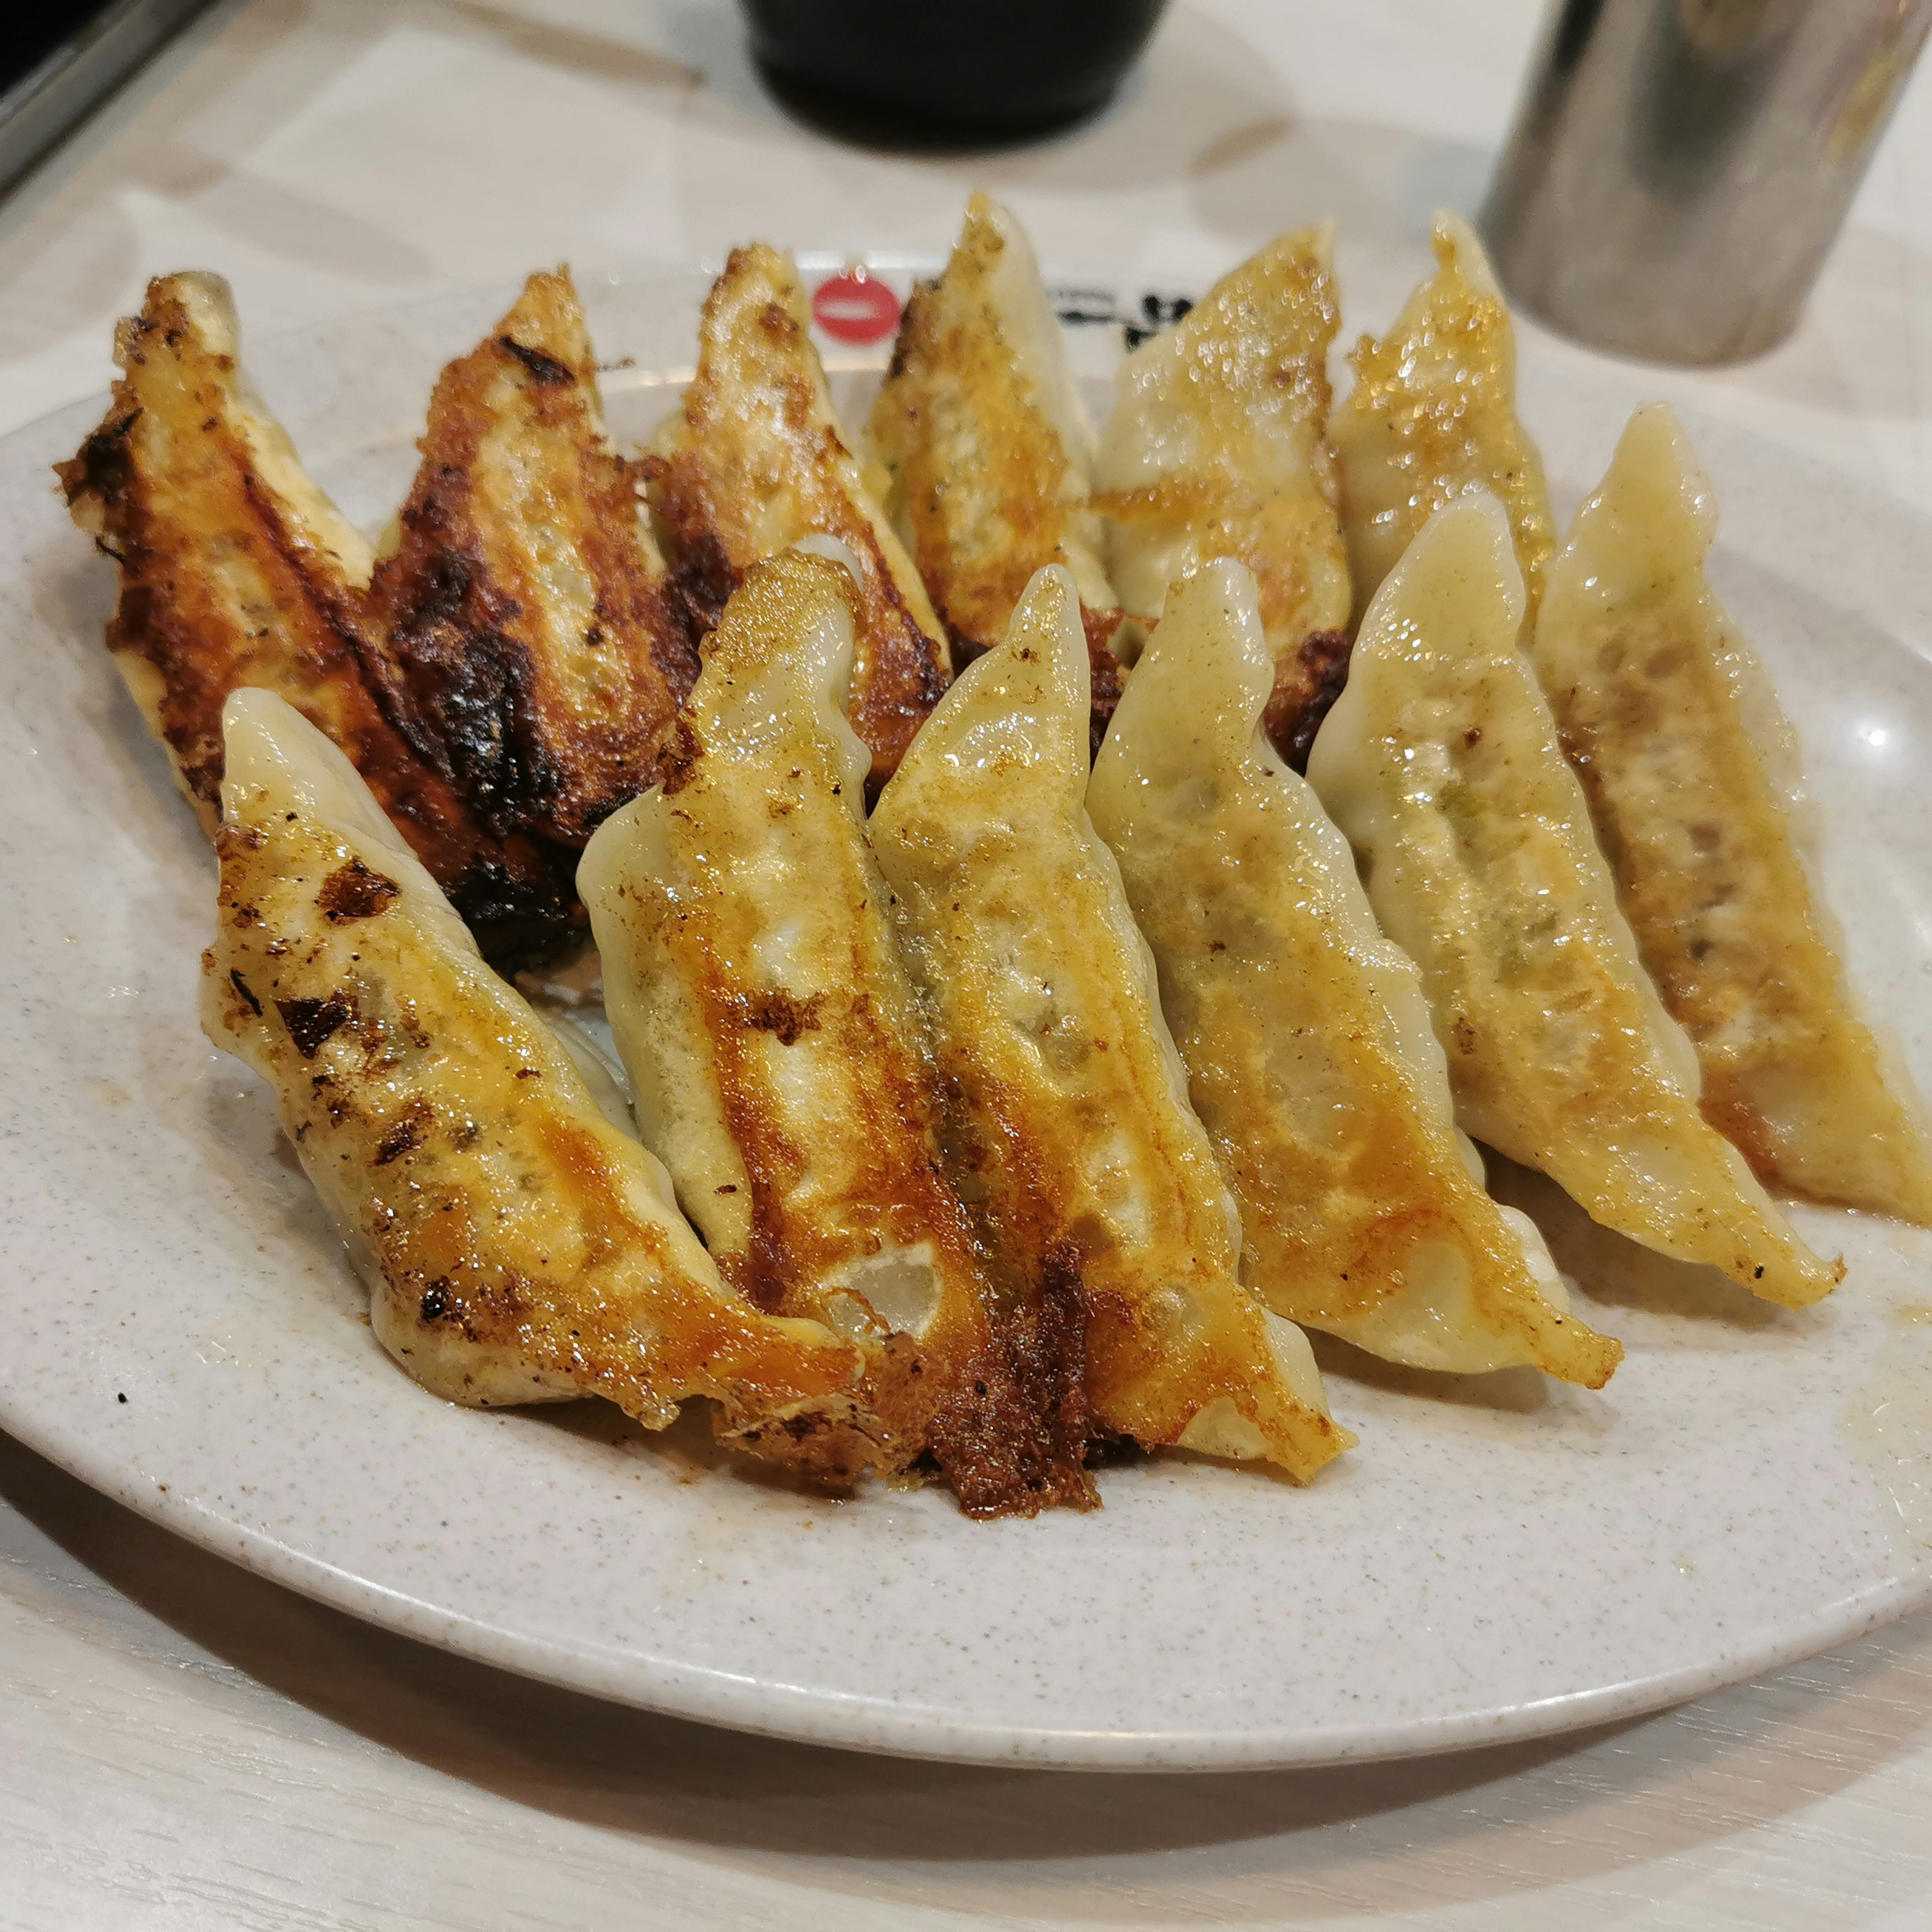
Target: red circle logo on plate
{"points": [[853, 307]]}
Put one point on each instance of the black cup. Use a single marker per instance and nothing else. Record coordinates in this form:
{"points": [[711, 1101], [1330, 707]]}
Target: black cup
{"points": [[924, 71]]}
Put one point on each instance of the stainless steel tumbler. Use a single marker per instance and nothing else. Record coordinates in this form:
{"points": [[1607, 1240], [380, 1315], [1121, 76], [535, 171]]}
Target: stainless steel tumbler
{"points": [[1679, 168]]}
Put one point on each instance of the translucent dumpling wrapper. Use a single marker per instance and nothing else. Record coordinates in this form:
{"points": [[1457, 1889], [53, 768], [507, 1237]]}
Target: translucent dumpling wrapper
{"points": [[1692, 774], [1433, 413], [777, 1057], [755, 458], [980, 429], [1440, 763], [520, 1247], [1217, 447], [1068, 1110], [1305, 1032]]}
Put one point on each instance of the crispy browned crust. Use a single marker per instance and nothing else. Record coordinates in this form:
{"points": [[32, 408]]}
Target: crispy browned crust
{"points": [[996, 1400], [417, 1087], [984, 491], [1307, 681], [756, 460], [235, 571], [821, 1085], [524, 610], [1432, 414], [1246, 378], [980, 478]]}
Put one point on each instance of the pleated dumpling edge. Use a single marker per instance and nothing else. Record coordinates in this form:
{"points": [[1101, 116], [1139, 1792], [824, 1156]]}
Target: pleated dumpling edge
{"points": [[1087, 1167], [1440, 764], [1304, 1031]]}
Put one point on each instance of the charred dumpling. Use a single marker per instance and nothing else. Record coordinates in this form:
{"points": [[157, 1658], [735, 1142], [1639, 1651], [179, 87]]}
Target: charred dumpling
{"points": [[1691, 771], [754, 459], [1066, 1110], [422, 1095], [1433, 414], [1440, 764], [1305, 1032], [1218, 447], [237, 571], [981, 430], [526, 608], [777, 1058]]}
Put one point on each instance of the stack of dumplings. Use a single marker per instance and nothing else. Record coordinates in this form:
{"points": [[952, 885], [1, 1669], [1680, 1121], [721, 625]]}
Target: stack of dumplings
{"points": [[1069, 906]]}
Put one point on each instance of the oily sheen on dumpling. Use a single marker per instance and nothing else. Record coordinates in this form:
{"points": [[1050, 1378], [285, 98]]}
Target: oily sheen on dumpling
{"points": [[1691, 771], [1433, 413], [1218, 447], [1440, 763], [1305, 1032], [776, 1054], [424, 1097], [1068, 1108]]}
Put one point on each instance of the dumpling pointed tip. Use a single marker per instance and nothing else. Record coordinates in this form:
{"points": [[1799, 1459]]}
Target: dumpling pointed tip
{"points": [[1472, 526], [1457, 245]]}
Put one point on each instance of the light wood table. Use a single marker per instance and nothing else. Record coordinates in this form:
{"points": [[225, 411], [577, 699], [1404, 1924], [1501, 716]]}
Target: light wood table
{"points": [[182, 1746]]}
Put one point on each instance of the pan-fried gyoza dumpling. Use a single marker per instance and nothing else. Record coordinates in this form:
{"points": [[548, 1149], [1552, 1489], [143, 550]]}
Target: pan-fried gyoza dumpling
{"points": [[525, 607], [1692, 774], [754, 459], [1305, 1032], [1218, 447], [981, 430], [1069, 1110], [520, 1247], [1440, 762], [1433, 413], [236, 571], [776, 1054]]}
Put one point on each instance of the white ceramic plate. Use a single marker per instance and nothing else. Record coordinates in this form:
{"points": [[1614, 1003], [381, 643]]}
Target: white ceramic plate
{"points": [[1501, 1557]]}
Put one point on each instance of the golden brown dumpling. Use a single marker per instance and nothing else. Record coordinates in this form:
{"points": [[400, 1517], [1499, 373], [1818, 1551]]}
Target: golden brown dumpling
{"points": [[1218, 446], [1692, 774], [525, 608], [1068, 1108], [1433, 413], [981, 430], [777, 1056], [754, 459], [422, 1095], [1440, 763], [1306, 1033]]}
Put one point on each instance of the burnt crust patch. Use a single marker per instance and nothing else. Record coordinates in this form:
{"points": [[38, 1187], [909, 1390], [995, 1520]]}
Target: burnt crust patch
{"points": [[313, 1023], [543, 367], [1103, 670], [405, 1133], [224, 583], [678, 756], [783, 1014], [353, 891], [1306, 683], [546, 693]]}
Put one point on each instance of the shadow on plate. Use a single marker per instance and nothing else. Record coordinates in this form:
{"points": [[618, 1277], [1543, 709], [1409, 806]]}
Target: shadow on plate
{"points": [[1012, 1839], [1618, 1273], [1519, 1391]]}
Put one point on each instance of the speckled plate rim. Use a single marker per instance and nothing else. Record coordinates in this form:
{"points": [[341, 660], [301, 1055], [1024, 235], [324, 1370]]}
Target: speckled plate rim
{"points": [[898, 1728]]}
